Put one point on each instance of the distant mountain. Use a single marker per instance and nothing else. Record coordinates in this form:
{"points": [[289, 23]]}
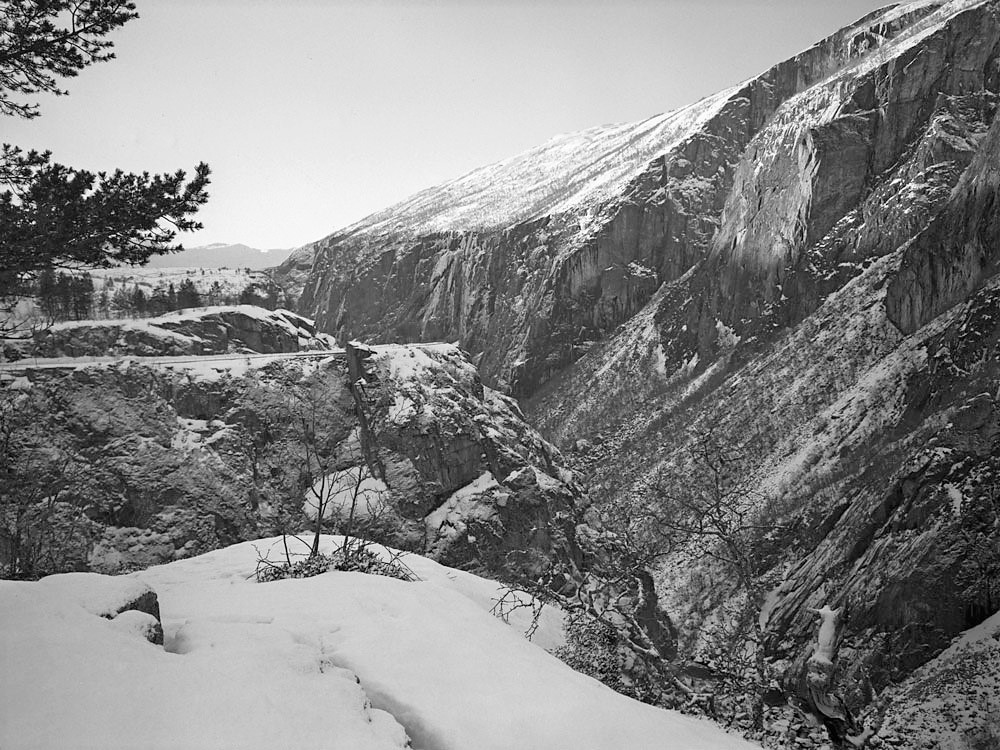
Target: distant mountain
{"points": [[220, 254]]}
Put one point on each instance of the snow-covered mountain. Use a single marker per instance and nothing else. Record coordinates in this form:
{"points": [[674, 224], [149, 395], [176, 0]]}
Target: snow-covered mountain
{"points": [[529, 260], [220, 254], [801, 270], [763, 331]]}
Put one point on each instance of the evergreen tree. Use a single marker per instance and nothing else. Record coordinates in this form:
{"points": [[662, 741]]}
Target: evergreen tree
{"points": [[138, 301], [159, 301], [254, 294], [122, 304], [83, 297], [47, 299], [215, 296], [187, 295], [249, 296], [54, 216], [171, 297], [64, 296]]}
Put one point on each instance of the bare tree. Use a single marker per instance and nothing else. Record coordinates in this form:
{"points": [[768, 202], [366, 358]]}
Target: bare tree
{"points": [[712, 509], [289, 436], [326, 433], [615, 630], [39, 521]]}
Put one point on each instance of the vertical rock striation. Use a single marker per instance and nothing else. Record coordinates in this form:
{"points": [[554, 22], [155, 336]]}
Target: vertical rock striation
{"points": [[529, 261]]}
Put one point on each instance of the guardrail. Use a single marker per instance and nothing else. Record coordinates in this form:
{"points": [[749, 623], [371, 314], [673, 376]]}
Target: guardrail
{"points": [[72, 363]]}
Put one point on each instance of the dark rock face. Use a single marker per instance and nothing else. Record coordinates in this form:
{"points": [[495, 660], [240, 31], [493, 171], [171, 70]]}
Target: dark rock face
{"points": [[958, 252]]}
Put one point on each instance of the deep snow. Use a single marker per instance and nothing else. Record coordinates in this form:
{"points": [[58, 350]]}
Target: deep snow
{"points": [[272, 665]]}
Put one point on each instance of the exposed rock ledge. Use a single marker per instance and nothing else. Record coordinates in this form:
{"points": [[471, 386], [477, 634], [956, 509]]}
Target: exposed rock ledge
{"points": [[198, 331]]}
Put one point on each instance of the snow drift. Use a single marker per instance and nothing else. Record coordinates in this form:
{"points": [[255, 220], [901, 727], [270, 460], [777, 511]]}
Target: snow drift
{"points": [[253, 665]]}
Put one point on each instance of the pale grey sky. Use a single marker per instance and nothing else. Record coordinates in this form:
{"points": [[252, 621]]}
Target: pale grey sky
{"points": [[314, 114]]}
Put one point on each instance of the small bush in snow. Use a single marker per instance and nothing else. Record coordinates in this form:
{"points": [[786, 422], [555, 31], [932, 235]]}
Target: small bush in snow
{"points": [[355, 560], [596, 649]]}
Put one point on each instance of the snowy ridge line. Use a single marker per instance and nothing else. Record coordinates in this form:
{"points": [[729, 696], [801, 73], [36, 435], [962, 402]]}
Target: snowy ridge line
{"points": [[557, 176], [908, 38], [571, 169]]}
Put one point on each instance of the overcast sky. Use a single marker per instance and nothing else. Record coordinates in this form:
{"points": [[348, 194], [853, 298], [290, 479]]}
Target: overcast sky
{"points": [[313, 114]]}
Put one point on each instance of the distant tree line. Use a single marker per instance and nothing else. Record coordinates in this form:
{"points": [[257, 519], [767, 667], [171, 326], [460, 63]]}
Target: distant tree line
{"points": [[126, 302], [65, 296], [72, 296], [56, 217]]}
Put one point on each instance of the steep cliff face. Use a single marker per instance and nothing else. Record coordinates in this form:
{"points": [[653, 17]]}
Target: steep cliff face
{"points": [[847, 171], [803, 269], [126, 464], [865, 420], [529, 261], [959, 251]]}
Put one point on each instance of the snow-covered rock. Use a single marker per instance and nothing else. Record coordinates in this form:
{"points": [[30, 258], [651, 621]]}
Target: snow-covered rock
{"points": [[197, 331], [72, 679]]}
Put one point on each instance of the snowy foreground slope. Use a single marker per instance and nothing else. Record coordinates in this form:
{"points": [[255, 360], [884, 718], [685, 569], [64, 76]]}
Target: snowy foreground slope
{"points": [[272, 665]]}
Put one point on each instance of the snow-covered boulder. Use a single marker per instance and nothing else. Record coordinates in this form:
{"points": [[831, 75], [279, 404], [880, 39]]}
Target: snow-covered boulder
{"points": [[139, 623]]}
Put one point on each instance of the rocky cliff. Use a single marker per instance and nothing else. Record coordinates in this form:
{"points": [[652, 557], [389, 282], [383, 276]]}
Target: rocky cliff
{"points": [[851, 367], [198, 331], [529, 261], [800, 271], [114, 466]]}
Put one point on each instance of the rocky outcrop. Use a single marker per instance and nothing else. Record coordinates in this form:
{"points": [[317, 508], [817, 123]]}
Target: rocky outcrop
{"points": [[402, 445], [164, 462], [200, 331], [468, 481], [960, 250]]}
